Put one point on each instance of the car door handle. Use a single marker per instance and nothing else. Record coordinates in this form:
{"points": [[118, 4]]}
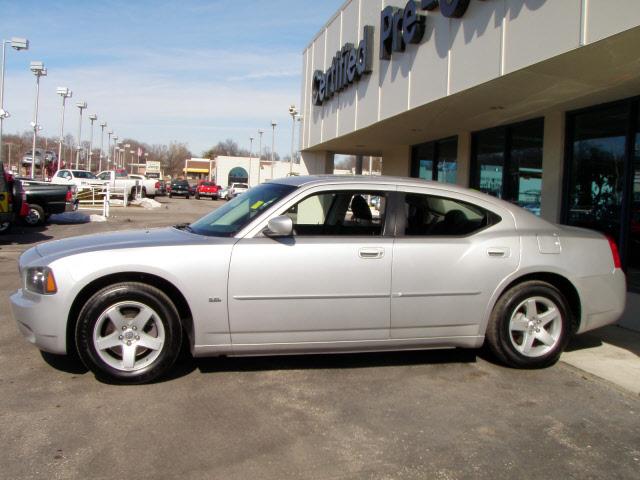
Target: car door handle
{"points": [[499, 252], [369, 253]]}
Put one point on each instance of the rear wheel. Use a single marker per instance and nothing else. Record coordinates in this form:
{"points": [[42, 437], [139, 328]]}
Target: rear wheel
{"points": [[35, 216], [197, 197], [530, 325], [129, 333]]}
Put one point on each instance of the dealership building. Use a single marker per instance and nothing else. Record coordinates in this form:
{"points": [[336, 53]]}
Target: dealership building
{"points": [[533, 101]]}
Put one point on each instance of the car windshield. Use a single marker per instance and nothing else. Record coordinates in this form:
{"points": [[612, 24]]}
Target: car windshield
{"points": [[83, 174], [240, 185], [228, 220]]}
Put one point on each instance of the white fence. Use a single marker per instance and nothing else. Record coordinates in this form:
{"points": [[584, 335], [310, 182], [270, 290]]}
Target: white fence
{"points": [[103, 197]]}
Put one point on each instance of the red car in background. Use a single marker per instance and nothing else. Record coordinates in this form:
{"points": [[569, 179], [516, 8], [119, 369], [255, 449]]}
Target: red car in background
{"points": [[207, 189]]}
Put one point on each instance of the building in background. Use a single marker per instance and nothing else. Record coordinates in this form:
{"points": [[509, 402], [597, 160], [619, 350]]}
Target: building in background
{"points": [[533, 101]]}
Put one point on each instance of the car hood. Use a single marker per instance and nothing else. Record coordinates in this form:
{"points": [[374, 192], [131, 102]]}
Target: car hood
{"points": [[157, 237]]}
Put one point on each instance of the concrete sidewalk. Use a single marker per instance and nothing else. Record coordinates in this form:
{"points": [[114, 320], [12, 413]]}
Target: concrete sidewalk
{"points": [[611, 353]]}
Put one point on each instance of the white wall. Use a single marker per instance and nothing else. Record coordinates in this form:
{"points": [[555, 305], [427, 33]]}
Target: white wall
{"points": [[224, 165]]}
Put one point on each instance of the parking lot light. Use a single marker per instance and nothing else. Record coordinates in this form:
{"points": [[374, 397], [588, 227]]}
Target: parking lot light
{"points": [[81, 106], [103, 125], [17, 44], [65, 93], [38, 70], [92, 118]]}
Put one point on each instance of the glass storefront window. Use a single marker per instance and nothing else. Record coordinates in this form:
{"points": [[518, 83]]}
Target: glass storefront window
{"points": [[507, 163], [437, 160], [596, 177], [603, 177]]}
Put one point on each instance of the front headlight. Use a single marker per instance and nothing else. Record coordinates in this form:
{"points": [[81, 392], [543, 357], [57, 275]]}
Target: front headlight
{"points": [[40, 280]]}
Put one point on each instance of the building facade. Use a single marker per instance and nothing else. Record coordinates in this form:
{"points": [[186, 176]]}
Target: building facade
{"points": [[533, 101]]}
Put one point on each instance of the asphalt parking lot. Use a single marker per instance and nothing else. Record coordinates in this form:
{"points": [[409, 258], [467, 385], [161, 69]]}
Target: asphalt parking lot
{"points": [[447, 414]]}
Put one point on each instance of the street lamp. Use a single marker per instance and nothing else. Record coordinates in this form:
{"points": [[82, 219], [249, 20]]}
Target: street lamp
{"points": [[102, 127], [293, 112], [109, 133], [273, 143], [38, 70], [81, 106], [251, 159], [92, 118], [65, 93], [17, 44], [123, 158], [260, 132]]}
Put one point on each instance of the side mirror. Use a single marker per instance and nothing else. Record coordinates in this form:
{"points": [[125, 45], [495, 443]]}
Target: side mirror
{"points": [[281, 226]]}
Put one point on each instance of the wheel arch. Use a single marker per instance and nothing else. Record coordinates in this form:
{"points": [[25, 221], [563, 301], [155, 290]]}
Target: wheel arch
{"points": [[178, 299], [562, 283]]}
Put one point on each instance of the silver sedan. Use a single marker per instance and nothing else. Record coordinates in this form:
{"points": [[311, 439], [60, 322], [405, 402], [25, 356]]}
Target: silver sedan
{"points": [[322, 264]]}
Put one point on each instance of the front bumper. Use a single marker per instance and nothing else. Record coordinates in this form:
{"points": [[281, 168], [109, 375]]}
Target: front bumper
{"points": [[41, 320]]}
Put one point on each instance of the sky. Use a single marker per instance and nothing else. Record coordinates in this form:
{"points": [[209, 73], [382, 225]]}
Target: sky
{"points": [[191, 71]]}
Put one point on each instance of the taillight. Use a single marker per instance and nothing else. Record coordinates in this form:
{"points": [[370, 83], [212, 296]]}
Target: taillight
{"points": [[69, 196], [157, 185], [615, 253]]}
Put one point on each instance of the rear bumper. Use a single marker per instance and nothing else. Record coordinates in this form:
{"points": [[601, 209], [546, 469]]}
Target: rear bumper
{"points": [[41, 320], [603, 299]]}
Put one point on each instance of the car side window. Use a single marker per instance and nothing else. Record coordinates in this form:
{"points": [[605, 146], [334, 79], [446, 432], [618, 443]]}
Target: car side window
{"points": [[428, 215], [339, 213]]}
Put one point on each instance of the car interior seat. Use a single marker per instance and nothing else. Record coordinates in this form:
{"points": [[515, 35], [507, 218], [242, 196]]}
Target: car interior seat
{"points": [[360, 209]]}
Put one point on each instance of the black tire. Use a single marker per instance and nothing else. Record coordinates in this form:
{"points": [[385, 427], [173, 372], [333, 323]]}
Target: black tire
{"points": [[512, 325], [124, 301], [197, 197], [187, 197], [214, 198], [143, 192], [5, 227], [35, 217], [170, 195]]}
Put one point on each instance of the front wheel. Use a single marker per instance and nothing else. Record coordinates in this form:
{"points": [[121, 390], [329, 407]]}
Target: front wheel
{"points": [[129, 333], [530, 325]]}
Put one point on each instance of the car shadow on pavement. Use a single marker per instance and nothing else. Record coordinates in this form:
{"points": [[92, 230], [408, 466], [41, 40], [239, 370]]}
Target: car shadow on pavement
{"points": [[65, 363], [24, 235], [615, 335], [334, 361]]}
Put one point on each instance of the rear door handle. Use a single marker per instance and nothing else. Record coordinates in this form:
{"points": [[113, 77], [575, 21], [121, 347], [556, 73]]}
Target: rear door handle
{"points": [[370, 253], [500, 252]]}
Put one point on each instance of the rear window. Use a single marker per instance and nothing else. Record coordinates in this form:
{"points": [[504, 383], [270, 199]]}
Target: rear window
{"points": [[241, 185], [180, 182], [208, 184]]}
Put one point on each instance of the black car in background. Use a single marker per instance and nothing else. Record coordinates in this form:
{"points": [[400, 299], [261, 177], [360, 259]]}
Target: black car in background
{"points": [[179, 188]]}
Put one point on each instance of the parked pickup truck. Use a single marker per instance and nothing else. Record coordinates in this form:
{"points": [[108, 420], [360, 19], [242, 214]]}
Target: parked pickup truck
{"points": [[120, 179], [45, 199], [152, 185]]}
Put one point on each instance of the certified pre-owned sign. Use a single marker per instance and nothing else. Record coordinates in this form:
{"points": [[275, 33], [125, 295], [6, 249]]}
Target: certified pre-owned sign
{"points": [[347, 66], [398, 27]]}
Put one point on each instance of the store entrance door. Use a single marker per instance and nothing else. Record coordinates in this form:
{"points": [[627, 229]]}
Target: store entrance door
{"points": [[604, 178]]}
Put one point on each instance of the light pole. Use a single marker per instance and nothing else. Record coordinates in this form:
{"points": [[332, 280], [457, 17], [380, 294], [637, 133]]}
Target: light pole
{"points": [[109, 133], [65, 93], [17, 44], [293, 112], [92, 118], [81, 106], [273, 143], [38, 70], [250, 159], [123, 158], [133, 153], [102, 127], [260, 132]]}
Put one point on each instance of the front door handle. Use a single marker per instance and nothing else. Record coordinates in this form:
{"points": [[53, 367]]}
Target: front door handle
{"points": [[370, 253]]}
